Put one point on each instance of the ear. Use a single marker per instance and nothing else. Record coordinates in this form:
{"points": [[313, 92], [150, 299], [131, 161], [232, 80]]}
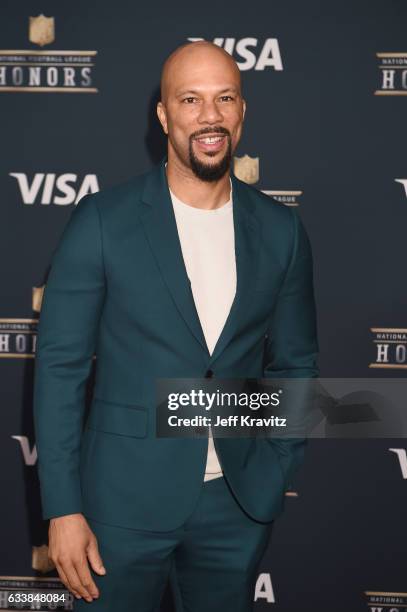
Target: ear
{"points": [[244, 107], [162, 116]]}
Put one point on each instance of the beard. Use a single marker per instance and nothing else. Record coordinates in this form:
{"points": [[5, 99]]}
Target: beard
{"points": [[210, 172]]}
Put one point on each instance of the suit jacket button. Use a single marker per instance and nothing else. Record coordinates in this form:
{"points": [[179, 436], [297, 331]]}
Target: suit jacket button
{"points": [[209, 374]]}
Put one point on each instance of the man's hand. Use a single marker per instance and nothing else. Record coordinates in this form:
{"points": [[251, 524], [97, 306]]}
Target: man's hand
{"points": [[71, 544]]}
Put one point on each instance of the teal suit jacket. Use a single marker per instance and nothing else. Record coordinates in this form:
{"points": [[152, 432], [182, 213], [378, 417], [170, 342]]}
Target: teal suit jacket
{"points": [[118, 289]]}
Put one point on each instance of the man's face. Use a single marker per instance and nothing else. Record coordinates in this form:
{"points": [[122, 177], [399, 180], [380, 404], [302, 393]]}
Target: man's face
{"points": [[203, 113]]}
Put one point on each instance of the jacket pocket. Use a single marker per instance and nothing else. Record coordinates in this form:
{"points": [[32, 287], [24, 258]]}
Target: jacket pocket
{"points": [[119, 419]]}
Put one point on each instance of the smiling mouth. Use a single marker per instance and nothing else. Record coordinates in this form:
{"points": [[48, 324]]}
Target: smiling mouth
{"points": [[210, 139], [210, 144]]}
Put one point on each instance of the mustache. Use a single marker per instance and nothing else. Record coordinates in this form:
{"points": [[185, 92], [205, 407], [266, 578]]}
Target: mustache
{"points": [[210, 130]]}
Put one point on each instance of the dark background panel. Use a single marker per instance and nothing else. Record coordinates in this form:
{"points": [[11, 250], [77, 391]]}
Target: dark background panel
{"points": [[318, 128]]}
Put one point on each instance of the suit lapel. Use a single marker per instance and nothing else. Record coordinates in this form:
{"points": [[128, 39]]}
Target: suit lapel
{"points": [[247, 240], [161, 229]]}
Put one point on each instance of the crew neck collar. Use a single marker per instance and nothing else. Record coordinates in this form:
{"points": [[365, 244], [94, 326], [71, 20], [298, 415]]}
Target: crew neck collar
{"points": [[194, 210]]}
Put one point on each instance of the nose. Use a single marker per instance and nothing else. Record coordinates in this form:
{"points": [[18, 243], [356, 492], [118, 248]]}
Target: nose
{"points": [[210, 113]]}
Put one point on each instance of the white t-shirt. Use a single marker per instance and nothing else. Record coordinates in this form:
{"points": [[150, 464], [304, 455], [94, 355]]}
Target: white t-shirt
{"points": [[208, 248]]}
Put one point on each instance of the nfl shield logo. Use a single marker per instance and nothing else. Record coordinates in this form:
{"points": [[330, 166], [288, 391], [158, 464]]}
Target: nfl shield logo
{"points": [[40, 560], [37, 295], [41, 30], [246, 168]]}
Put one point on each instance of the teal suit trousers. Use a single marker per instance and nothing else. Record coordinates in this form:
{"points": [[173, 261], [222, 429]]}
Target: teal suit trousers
{"points": [[212, 559]]}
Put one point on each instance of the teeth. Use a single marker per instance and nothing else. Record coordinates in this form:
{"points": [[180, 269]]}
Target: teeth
{"points": [[210, 140]]}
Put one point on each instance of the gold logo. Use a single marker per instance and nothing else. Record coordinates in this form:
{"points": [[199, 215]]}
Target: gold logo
{"points": [[41, 30], [38, 292], [246, 168], [40, 560]]}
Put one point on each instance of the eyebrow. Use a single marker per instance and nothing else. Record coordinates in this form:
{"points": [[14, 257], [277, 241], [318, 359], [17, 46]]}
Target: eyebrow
{"points": [[194, 91]]}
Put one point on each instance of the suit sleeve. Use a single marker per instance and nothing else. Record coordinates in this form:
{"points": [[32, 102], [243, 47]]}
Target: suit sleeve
{"points": [[71, 308], [292, 345]]}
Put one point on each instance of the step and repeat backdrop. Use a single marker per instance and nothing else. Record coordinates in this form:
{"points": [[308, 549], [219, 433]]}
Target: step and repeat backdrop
{"points": [[325, 131]]}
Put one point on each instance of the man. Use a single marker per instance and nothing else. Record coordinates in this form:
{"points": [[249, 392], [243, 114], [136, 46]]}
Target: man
{"points": [[183, 272]]}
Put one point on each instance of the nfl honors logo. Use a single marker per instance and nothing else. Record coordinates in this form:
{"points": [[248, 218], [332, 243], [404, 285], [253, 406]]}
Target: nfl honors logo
{"points": [[18, 336], [51, 71], [40, 561], [390, 348], [393, 74], [246, 169], [41, 30], [37, 295]]}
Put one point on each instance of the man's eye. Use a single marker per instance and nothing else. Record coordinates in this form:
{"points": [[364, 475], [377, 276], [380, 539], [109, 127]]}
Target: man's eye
{"points": [[189, 100], [227, 98]]}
